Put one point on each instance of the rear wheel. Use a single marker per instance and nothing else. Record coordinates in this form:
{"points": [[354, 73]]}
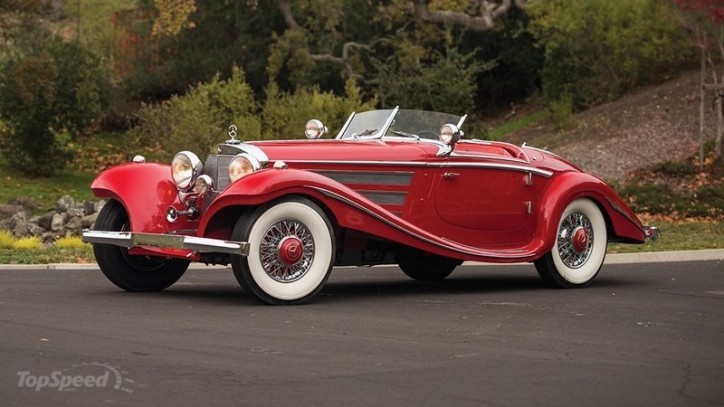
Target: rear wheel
{"points": [[132, 272], [580, 247], [291, 251]]}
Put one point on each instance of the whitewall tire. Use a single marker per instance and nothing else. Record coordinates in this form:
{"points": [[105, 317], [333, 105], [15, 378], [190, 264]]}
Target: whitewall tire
{"points": [[579, 249], [291, 251]]}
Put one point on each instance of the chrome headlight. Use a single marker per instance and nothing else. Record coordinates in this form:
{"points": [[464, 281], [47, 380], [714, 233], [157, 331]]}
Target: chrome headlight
{"points": [[185, 167], [449, 133], [314, 129], [203, 185], [242, 164]]}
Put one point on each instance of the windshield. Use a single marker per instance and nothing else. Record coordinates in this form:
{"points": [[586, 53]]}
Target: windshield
{"points": [[407, 123]]}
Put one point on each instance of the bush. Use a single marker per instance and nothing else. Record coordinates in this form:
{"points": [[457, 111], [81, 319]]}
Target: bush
{"points": [[445, 83], [73, 242], [661, 199], [596, 50], [286, 113], [50, 91], [561, 112], [198, 120]]}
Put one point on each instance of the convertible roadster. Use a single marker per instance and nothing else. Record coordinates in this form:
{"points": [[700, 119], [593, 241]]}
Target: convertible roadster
{"points": [[394, 186]]}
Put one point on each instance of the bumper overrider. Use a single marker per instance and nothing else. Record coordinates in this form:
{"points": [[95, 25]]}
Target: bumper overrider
{"points": [[196, 244]]}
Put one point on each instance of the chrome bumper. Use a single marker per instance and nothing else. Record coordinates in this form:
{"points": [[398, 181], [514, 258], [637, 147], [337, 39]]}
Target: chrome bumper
{"points": [[652, 232], [197, 244]]}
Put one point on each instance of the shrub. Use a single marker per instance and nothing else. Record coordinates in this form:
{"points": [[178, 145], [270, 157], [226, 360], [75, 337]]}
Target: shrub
{"points": [[445, 83], [286, 113], [73, 242], [27, 243], [6, 239], [561, 112], [198, 120]]}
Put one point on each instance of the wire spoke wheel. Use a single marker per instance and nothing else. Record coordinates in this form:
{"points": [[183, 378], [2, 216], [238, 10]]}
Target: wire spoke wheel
{"points": [[291, 251], [287, 251], [575, 240], [579, 249]]}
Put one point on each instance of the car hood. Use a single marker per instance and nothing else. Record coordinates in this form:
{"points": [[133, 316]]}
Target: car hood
{"points": [[346, 150]]}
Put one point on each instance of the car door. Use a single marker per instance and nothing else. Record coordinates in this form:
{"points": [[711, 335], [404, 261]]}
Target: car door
{"points": [[487, 193]]}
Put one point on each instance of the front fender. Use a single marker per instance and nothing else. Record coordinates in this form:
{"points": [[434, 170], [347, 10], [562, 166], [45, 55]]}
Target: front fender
{"points": [[146, 191], [259, 188], [569, 186]]}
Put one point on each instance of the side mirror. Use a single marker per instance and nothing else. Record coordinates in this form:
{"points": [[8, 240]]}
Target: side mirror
{"points": [[315, 129]]}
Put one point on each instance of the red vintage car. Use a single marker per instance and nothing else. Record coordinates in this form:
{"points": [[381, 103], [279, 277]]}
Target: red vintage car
{"points": [[394, 186]]}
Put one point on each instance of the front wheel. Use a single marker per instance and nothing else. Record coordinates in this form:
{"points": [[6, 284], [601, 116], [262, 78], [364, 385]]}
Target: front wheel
{"points": [[131, 272], [579, 249], [291, 251]]}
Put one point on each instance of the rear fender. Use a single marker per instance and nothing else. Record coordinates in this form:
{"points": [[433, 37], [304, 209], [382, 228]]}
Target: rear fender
{"points": [[146, 191], [570, 186]]}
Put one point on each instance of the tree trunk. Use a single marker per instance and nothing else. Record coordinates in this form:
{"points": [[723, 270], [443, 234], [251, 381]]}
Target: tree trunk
{"points": [[702, 91]]}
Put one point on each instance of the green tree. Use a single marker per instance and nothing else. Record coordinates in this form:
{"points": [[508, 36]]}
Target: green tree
{"points": [[595, 50], [50, 91]]}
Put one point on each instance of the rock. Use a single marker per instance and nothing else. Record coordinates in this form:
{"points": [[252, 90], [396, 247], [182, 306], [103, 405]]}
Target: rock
{"points": [[75, 212], [58, 221], [46, 220], [11, 223], [74, 225], [68, 219], [36, 230], [64, 203], [88, 221], [7, 210], [21, 226], [48, 238], [89, 208]]}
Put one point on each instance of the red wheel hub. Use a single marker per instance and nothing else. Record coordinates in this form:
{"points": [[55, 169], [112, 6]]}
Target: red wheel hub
{"points": [[291, 250], [580, 240]]}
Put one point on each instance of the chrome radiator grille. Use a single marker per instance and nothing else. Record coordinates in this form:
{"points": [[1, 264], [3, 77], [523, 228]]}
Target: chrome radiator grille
{"points": [[222, 173]]}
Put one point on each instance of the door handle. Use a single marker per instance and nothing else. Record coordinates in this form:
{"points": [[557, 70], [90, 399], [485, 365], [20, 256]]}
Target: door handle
{"points": [[448, 175]]}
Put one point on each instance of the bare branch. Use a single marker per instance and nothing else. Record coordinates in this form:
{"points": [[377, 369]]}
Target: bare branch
{"points": [[484, 21], [286, 10], [344, 60]]}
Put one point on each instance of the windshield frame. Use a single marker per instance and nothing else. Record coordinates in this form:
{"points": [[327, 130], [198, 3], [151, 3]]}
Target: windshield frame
{"points": [[375, 124]]}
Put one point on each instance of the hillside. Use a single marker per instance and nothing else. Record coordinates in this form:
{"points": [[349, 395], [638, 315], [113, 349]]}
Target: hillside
{"points": [[613, 140]]}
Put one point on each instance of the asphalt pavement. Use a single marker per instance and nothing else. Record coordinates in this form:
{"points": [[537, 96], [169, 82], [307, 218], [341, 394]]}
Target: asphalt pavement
{"points": [[648, 332]]}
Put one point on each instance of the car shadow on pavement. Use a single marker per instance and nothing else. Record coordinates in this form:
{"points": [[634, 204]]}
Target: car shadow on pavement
{"points": [[345, 286]]}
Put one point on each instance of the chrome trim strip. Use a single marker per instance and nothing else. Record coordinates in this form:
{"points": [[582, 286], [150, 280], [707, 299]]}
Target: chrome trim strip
{"points": [[461, 121], [512, 167], [462, 249], [473, 154], [197, 244], [521, 168]]}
